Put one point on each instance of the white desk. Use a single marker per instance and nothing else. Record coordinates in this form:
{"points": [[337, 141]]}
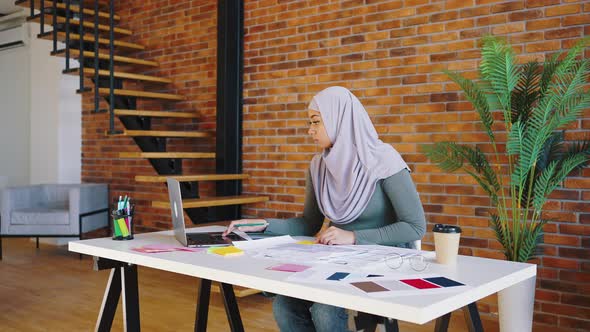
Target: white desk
{"points": [[485, 276]]}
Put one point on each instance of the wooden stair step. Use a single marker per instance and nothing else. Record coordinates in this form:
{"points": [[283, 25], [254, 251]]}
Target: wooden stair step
{"points": [[73, 8], [120, 74], [158, 114], [61, 36], [75, 22], [140, 94], [161, 155], [187, 178], [162, 133], [75, 53], [214, 201], [239, 291]]}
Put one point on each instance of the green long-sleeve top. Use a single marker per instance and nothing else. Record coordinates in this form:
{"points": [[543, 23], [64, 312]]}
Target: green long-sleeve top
{"points": [[394, 215]]}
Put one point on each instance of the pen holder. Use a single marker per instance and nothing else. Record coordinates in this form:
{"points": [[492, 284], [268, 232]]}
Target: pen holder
{"points": [[122, 224]]}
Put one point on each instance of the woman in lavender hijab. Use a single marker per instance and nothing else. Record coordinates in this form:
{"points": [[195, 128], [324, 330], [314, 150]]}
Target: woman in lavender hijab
{"points": [[360, 184]]}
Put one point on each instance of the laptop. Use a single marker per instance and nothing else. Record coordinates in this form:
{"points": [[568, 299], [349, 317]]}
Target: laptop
{"points": [[193, 239]]}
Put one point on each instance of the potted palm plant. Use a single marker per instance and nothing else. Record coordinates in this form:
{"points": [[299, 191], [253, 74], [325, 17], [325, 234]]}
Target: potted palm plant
{"points": [[531, 103]]}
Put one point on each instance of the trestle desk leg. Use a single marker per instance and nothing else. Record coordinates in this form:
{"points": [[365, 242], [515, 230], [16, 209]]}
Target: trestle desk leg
{"points": [[231, 308], [203, 305]]}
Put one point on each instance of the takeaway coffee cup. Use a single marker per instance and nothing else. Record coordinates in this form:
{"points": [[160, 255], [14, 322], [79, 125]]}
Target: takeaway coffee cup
{"points": [[446, 243]]}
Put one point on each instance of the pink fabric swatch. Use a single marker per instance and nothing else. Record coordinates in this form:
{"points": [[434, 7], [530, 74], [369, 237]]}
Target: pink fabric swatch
{"points": [[288, 268]]}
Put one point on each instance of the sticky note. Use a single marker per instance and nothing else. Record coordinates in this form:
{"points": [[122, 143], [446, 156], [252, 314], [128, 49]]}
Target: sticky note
{"points": [[117, 230], [227, 251], [160, 246], [307, 242], [123, 227], [288, 268]]}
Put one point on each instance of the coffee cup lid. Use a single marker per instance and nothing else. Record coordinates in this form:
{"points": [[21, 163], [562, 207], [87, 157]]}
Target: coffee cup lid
{"points": [[442, 228]]}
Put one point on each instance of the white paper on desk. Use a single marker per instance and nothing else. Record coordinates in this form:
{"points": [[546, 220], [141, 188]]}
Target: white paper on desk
{"points": [[264, 243]]}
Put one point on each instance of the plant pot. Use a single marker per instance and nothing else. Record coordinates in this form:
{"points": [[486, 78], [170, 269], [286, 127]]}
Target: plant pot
{"points": [[516, 305]]}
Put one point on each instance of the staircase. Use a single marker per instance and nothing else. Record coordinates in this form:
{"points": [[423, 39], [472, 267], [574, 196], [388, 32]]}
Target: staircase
{"points": [[88, 32]]}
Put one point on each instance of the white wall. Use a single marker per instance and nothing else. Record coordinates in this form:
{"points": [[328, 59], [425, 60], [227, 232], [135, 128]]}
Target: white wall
{"points": [[40, 116], [14, 116], [55, 116]]}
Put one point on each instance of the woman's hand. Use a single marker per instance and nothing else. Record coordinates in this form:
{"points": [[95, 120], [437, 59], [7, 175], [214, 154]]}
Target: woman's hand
{"points": [[335, 235], [258, 225]]}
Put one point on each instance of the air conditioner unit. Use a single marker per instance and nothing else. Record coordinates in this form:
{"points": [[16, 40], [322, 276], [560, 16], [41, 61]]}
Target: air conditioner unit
{"points": [[13, 31]]}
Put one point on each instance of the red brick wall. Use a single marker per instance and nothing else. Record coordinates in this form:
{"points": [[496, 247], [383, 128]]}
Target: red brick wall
{"points": [[390, 54]]}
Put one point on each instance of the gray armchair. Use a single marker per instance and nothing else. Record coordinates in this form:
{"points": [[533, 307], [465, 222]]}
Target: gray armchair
{"points": [[53, 210]]}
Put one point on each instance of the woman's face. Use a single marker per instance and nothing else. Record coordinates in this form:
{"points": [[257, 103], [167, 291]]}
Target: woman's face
{"points": [[317, 131]]}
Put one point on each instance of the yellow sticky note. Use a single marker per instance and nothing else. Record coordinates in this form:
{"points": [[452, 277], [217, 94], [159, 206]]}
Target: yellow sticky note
{"points": [[227, 251], [123, 226], [307, 242]]}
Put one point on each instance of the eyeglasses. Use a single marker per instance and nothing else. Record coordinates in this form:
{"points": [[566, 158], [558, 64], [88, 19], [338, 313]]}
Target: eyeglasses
{"points": [[417, 262]]}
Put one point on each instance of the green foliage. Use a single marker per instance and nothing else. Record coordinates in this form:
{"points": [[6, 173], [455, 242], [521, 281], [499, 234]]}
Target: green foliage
{"points": [[537, 101]]}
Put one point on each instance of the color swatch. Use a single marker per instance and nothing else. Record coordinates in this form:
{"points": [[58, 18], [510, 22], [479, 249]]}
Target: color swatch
{"points": [[444, 282], [369, 286], [419, 283]]}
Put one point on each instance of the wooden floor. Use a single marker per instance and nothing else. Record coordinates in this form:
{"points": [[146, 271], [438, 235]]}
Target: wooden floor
{"points": [[50, 289]]}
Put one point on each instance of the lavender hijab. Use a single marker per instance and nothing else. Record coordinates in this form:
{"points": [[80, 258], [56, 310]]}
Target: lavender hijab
{"points": [[344, 176]]}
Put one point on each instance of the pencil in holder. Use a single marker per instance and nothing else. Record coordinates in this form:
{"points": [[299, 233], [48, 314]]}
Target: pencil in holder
{"points": [[122, 223]]}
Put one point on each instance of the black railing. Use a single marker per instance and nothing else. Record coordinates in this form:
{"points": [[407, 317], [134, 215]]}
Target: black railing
{"points": [[68, 3], [81, 44], [64, 7], [42, 17], [111, 67], [54, 25], [96, 60]]}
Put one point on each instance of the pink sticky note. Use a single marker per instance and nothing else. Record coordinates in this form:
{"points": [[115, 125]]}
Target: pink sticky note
{"points": [[189, 249], [289, 268], [159, 247], [151, 251]]}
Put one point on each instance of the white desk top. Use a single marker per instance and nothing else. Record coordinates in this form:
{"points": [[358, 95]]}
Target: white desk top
{"points": [[485, 276]]}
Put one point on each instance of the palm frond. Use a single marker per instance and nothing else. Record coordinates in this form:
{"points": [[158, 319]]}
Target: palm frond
{"points": [[445, 154], [498, 67], [531, 238], [477, 97], [542, 183], [526, 93], [565, 167], [552, 150], [502, 234]]}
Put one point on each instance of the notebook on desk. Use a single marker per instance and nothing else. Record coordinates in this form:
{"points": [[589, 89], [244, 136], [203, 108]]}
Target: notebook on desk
{"points": [[193, 239]]}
